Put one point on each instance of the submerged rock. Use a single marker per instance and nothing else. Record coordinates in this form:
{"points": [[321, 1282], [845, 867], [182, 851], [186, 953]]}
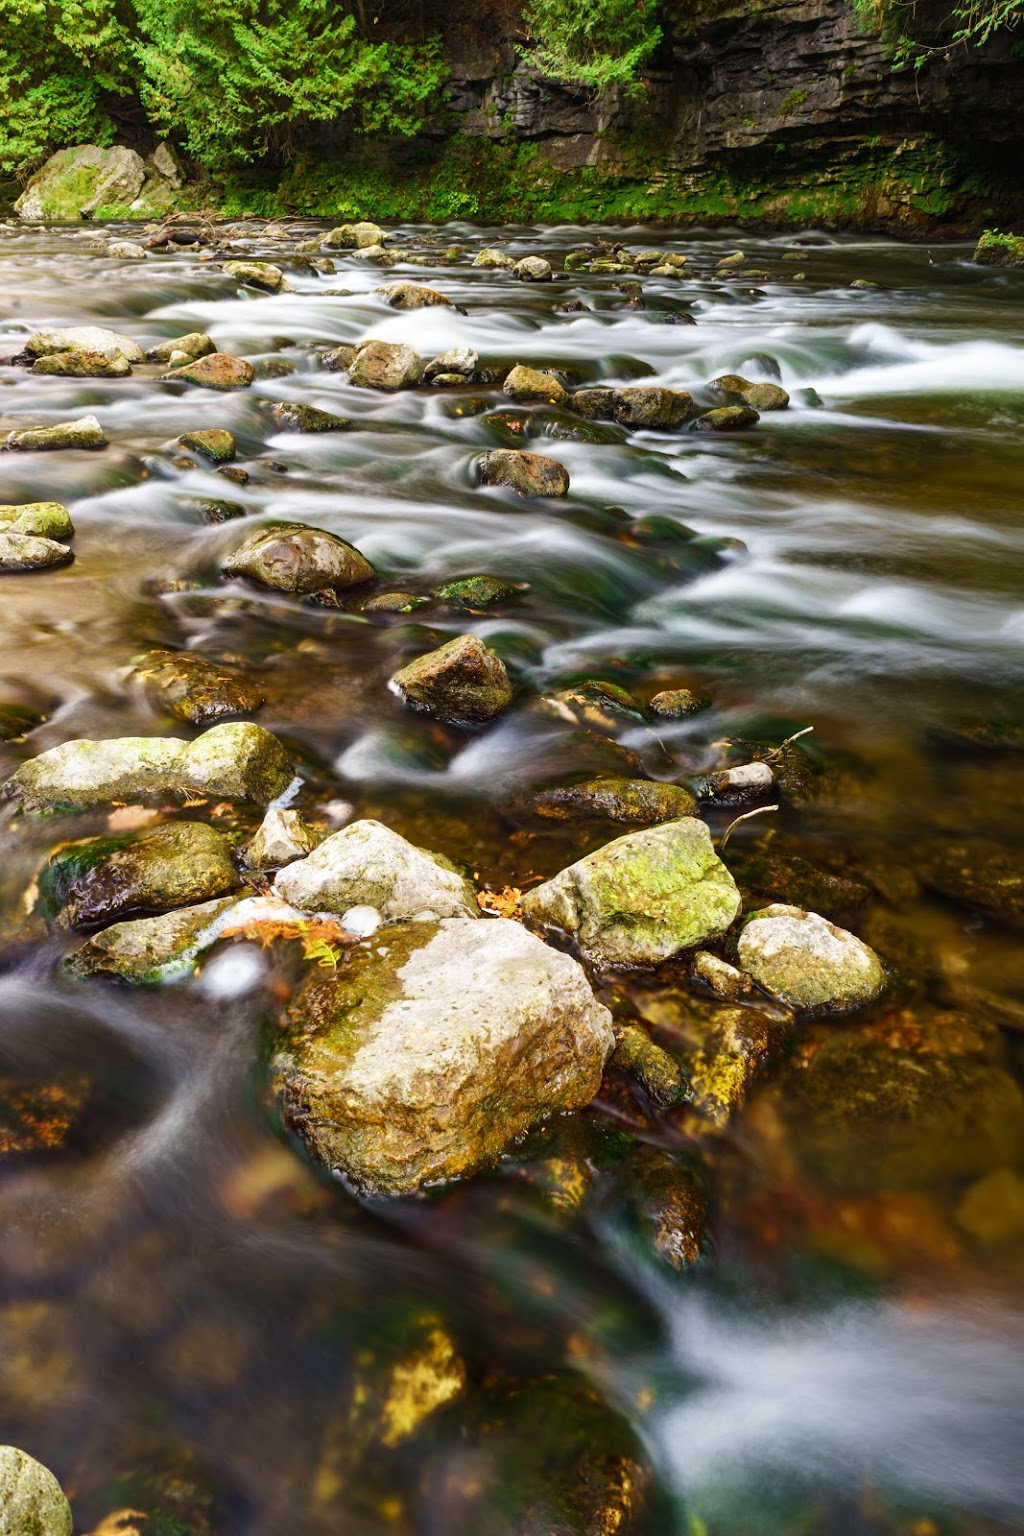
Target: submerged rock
{"points": [[667, 1203], [981, 874], [186, 686], [32, 1502], [720, 978], [531, 474], [678, 703], [83, 365], [735, 1048], [296, 558], [256, 274], [150, 950], [86, 432], [412, 296], [281, 838], [640, 899], [42, 519], [175, 865], [213, 443], [529, 384], [20, 552], [473, 592], [461, 682], [307, 418], [654, 1069], [422, 1057], [228, 762], [83, 338], [807, 962], [640, 802], [387, 365], [368, 865], [216, 370]]}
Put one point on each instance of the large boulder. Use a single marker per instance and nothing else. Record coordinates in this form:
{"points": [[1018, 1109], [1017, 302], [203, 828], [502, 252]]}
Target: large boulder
{"points": [[533, 269], [82, 365], [638, 406], [83, 338], [640, 899], [296, 558], [256, 274], [531, 474], [760, 396], [387, 365], [230, 762], [807, 962], [368, 865], [461, 682], [82, 182], [425, 1054], [32, 1502], [175, 865], [361, 236]]}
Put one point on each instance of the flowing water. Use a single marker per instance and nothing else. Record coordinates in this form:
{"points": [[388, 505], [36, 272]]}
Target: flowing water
{"points": [[188, 1312]]}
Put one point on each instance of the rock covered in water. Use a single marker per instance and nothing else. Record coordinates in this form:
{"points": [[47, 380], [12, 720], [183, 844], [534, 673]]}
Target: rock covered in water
{"points": [[175, 865], [236, 761], [216, 370], [720, 978], [424, 1055], [639, 802], [368, 865], [187, 687], [727, 418], [86, 432], [807, 962], [653, 1068], [531, 474], [640, 899], [296, 558], [462, 682], [32, 1502], [256, 274], [387, 365], [21, 552], [149, 950], [982, 875], [213, 443], [83, 338], [281, 838], [667, 1202], [81, 364], [533, 384], [412, 296], [678, 703], [43, 519], [473, 592], [533, 269]]}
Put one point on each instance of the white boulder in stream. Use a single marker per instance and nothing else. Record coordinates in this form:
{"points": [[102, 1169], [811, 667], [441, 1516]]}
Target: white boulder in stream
{"points": [[368, 865], [432, 1046], [32, 1502], [640, 899], [809, 963]]}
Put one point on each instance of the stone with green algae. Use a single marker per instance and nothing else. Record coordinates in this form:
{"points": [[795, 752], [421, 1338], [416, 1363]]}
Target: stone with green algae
{"points": [[41, 519], [531, 474], [175, 865], [462, 683], [146, 951], [32, 1502], [637, 802], [808, 963]]}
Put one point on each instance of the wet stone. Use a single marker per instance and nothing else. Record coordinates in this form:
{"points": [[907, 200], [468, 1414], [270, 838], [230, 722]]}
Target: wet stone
{"points": [[213, 443], [461, 683], [981, 874], [188, 687], [360, 236], [299, 559], [720, 978], [21, 552], [214, 512], [667, 1203], [393, 602], [594, 702], [460, 362], [412, 296], [727, 418], [175, 865], [385, 365], [638, 802], [532, 269], [41, 519], [256, 274], [217, 370], [531, 474], [150, 950], [84, 338], [32, 1502], [86, 432], [532, 384], [81, 364], [658, 1073], [678, 703], [308, 418], [492, 257], [181, 349], [759, 396], [474, 592], [741, 785], [281, 838]]}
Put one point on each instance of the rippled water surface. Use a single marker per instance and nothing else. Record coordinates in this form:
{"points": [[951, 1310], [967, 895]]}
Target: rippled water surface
{"points": [[185, 1305]]}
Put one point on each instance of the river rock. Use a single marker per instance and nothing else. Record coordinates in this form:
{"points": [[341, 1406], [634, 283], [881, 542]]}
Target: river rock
{"points": [[666, 1201], [361, 236], [127, 250], [533, 269], [388, 365], [459, 362], [213, 443], [425, 1062], [187, 687], [472, 592], [86, 432], [146, 951], [256, 274], [740, 785], [640, 899], [187, 348], [639, 802], [412, 296], [722, 980], [44, 519], [175, 865], [234, 761], [678, 703], [85, 180], [368, 865], [595, 703], [281, 838], [26, 552], [998, 250], [32, 1502], [217, 370], [637, 406], [727, 418], [735, 1047], [83, 338], [807, 962], [296, 417], [981, 875], [462, 682], [531, 474], [760, 396], [83, 365], [492, 257], [295, 558], [657, 1072], [532, 384]]}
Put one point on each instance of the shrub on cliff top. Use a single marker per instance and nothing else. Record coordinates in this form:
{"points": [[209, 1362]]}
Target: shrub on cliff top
{"points": [[598, 43]]}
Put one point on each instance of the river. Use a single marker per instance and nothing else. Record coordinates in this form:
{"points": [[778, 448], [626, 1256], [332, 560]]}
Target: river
{"points": [[187, 1309]]}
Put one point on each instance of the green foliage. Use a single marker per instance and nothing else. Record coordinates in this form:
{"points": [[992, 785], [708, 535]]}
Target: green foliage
{"points": [[967, 24], [598, 43]]}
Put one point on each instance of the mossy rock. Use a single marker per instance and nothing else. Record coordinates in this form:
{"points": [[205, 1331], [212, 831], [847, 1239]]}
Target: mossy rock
{"points": [[462, 682], [32, 1502], [996, 250], [634, 802], [187, 687], [473, 592]]}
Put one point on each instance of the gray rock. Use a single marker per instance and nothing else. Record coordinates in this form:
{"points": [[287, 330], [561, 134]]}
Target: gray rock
{"points": [[121, 181], [127, 250], [532, 384], [807, 962], [740, 785], [533, 269], [427, 1052], [387, 365], [531, 474], [459, 360], [720, 978], [83, 338], [256, 274], [86, 432], [26, 552], [235, 761], [368, 865], [76, 183], [727, 418], [361, 236], [461, 682], [165, 162], [640, 899], [32, 1502], [295, 558], [190, 347], [280, 839]]}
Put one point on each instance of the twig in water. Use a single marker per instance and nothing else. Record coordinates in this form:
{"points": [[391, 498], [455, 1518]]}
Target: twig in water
{"points": [[759, 810]]}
